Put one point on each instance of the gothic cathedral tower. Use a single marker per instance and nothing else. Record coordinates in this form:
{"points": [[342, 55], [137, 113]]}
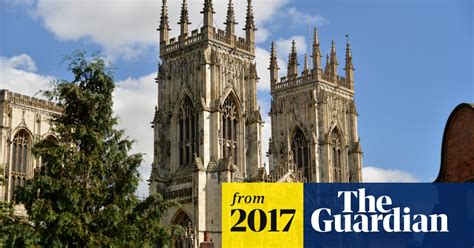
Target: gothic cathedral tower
{"points": [[314, 120], [207, 126]]}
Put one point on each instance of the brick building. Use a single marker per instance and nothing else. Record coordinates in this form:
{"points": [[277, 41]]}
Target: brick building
{"points": [[457, 152]]}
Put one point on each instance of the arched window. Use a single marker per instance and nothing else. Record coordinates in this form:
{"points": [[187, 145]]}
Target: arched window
{"points": [[186, 240], [299, 147], [188, 144], [20, 162], [229, 127], [336, 156]]}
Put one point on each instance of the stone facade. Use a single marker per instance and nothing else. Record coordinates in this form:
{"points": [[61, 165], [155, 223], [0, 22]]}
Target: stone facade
{"points": [[207, 125], [207, 122], [24, 121], [314, 120]]}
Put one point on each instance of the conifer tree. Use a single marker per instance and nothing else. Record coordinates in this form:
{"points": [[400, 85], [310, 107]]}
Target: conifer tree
{"points": [[84, 194]]}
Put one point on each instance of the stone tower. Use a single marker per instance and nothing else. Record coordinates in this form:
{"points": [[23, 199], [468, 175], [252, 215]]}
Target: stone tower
{"points": [[314, 120], [207, 125]]}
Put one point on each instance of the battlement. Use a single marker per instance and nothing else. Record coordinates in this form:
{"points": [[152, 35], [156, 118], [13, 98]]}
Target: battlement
{"points": [[207, 31], [197, 36], [27, 101], [316, 73], [310, 77]]}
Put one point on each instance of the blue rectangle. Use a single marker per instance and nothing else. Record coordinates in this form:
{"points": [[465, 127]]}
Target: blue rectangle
{"points": [[391, 215]]}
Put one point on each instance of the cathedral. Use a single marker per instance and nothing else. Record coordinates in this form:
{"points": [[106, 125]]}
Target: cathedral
{"points": [[208, 125], [24, 121]]}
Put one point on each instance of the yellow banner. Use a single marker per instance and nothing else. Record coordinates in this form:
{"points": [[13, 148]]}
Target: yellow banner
{"points": [[262, 215]]}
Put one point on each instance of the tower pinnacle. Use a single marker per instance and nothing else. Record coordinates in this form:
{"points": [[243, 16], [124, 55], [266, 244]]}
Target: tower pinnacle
{"points": [[333, 62], [250, 25], [273, 67], [164, 24], [184, 19], [349, 68], [293, 61], [316, 52], [230, 21], [328, 67], [333, 53], [208, 21], [306, 64]]}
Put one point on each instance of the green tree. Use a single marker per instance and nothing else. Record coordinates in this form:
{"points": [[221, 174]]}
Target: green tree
{"points": [[84, 195]]}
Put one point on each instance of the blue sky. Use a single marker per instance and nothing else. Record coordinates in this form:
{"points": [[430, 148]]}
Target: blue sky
{"points": [[413, 59]]}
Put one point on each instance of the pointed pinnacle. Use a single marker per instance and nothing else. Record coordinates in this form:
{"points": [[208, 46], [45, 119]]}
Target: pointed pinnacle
{"points": [[230, 14], [293, 47], [273, 50], [164, 22], [208, 7], [348, 55], [316, 37], [333, 54], [348, 50], [273, 57], [184, 18], [249, 23], [306, 65], [293, 57]]}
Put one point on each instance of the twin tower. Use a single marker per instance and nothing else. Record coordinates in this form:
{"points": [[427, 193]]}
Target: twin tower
{"points": [[208, 126]]}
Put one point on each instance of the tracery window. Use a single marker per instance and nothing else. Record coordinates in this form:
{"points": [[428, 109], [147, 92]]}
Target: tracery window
{"points": [[20, 160], [299, 147], [336, 156], [187, 238], [188, 145], [229, 128]]}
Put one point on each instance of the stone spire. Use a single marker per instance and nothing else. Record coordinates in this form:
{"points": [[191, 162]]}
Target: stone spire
{"points": [[273, 67], [349, 68], [316, 52], [333, 61], [184, 19], [328, 66], [230, 21], [293, 61], [306, 64], [208, 21], [250, 25], [164, 24]]}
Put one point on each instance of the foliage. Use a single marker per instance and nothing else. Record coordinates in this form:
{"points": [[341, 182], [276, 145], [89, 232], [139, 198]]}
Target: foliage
{"points": [[84, 194]]}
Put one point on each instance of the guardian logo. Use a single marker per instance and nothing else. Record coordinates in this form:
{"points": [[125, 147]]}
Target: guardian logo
{"points": [[363, 213]]}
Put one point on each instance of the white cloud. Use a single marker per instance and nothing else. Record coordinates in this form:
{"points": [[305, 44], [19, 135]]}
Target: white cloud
{"points": [[120, 27], [134, 103], [299, 18], [284, 46], [127, 27], [18, 74], [22, 62], [261, 35], [262, 58], [374, 174]]}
